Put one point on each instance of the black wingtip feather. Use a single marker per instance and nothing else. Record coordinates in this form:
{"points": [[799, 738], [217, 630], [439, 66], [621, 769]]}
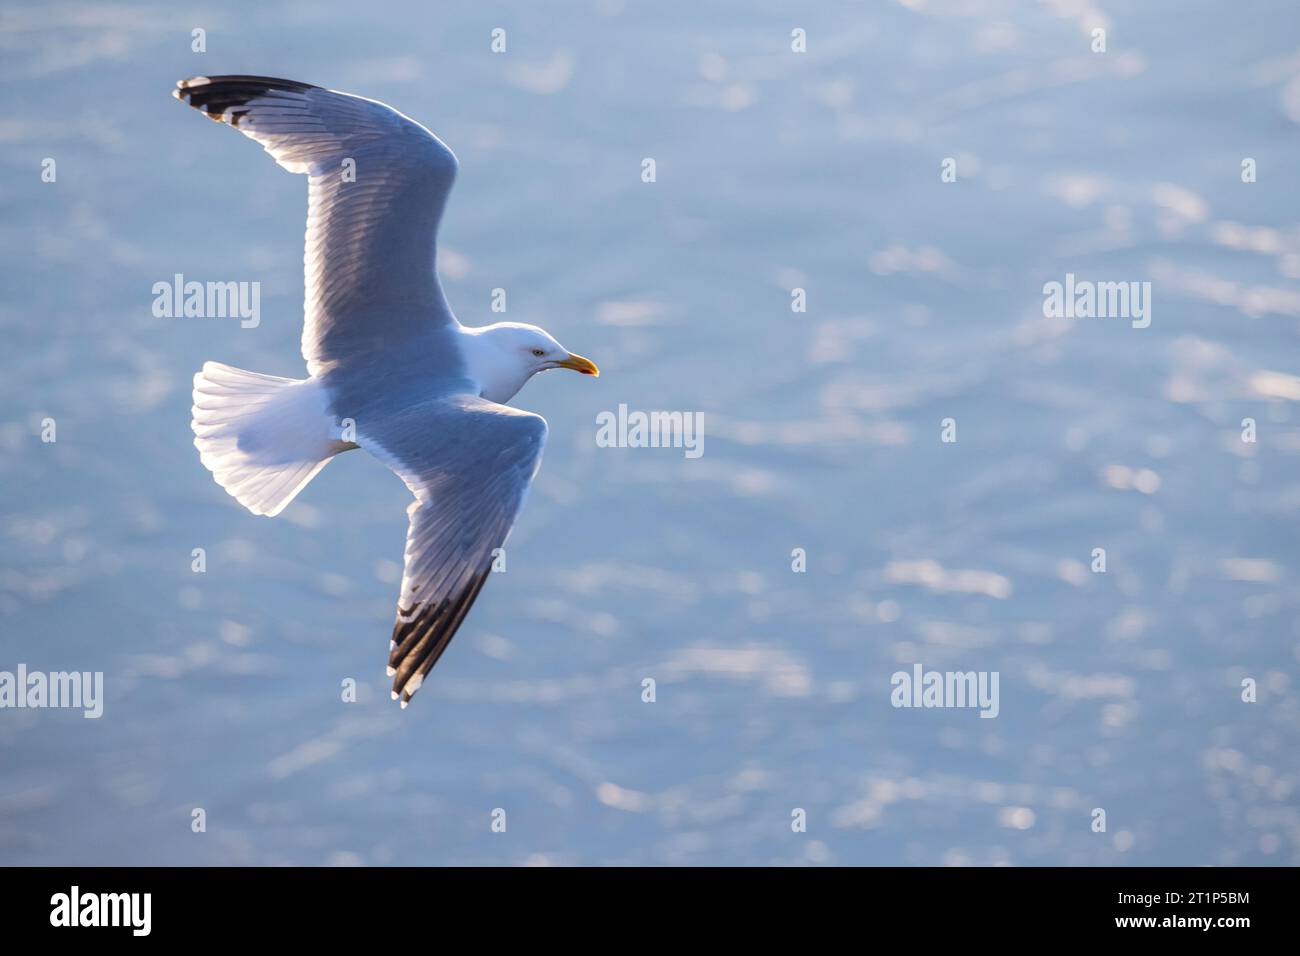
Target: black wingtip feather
{"points": [[420, 641], [214, 95]]}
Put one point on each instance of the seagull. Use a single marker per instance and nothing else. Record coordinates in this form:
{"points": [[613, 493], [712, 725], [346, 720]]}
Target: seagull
{"points": [[390, 369]]}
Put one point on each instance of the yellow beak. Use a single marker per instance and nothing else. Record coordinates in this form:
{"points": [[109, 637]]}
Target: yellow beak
{"points": [[579, 364]]}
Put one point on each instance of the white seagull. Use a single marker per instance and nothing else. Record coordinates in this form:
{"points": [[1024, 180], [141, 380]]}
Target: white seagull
{"points": [[391, 369]]}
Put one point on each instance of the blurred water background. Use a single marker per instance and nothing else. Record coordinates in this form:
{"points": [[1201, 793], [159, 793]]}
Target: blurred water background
{"points": [[775, 170]]}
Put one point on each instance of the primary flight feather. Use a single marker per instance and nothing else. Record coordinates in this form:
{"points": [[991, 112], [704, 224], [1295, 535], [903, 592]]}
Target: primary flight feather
{"points": [[391, 369]]}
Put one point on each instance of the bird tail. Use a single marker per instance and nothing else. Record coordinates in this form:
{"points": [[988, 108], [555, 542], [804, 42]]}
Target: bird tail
{"points": [[263, 437]]}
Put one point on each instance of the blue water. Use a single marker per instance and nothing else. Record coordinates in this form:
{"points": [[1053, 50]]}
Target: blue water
{"points": [[1119, 691]]}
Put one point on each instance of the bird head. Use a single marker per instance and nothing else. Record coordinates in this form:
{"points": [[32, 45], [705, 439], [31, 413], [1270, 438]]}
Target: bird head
{"points": [[539, 351], [504, 356]]}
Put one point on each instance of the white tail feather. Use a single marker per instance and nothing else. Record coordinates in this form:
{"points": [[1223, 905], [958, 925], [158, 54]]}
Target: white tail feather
{"points": [[263, 437]]}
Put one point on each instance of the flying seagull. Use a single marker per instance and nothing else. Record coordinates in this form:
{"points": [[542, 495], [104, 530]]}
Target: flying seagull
{"points": [[390, 368]]}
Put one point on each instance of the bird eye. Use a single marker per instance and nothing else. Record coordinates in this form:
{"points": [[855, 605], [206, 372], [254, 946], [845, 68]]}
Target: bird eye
{"points": [[538, 352]]}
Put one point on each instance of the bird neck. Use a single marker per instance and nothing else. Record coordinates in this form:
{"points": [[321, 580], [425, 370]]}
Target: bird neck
{"points": [[497, 372]]}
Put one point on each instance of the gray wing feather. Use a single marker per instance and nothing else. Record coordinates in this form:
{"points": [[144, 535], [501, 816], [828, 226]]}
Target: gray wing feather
{"points": [[372, 223], [469, 463]]}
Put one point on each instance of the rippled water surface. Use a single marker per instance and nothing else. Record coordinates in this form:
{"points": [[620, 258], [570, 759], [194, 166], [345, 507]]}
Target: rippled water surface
{"points": [[775, 170]]}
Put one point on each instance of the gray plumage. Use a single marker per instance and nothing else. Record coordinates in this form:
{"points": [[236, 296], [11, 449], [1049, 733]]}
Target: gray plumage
{"points": [[391, 369]]}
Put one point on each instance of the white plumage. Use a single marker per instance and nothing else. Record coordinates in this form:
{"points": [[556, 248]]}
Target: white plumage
{"points": [[391, 369]]}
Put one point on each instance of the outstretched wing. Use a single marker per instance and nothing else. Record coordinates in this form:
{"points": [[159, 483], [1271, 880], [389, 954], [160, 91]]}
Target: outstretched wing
{"points": [[469, 463], [378, 185]]}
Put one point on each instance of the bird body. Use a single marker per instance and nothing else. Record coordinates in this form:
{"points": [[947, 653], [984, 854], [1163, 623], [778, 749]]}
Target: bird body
{"points": [[391, 370]]}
